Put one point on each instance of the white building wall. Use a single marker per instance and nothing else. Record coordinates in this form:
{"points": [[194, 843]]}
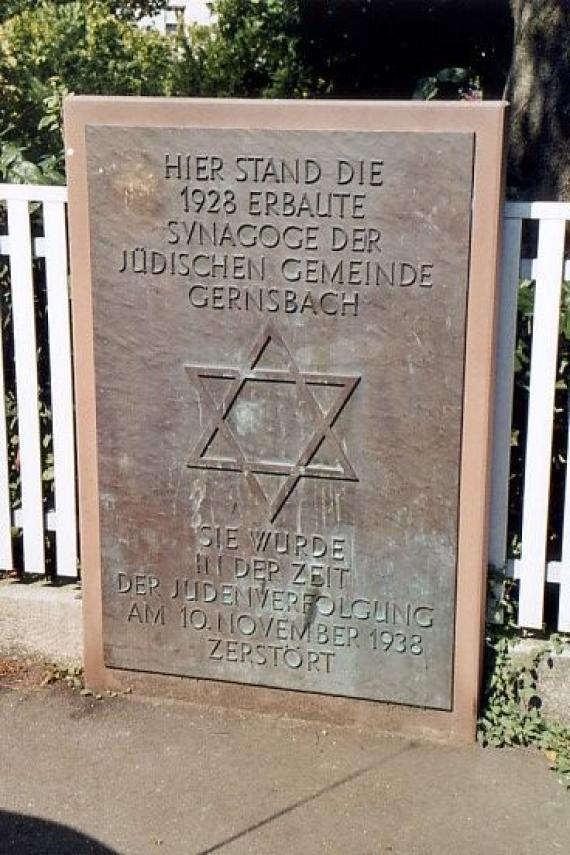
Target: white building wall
{"points": [[193, 12]]}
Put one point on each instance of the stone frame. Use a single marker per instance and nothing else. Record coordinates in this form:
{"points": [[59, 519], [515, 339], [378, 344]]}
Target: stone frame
{"points": [[486, 121]]}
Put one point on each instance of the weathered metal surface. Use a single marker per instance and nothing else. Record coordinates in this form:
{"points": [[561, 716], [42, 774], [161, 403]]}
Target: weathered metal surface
{"points": [[279, 352]]}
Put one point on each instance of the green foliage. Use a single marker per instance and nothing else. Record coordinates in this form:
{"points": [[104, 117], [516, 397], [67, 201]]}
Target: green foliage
{"points": [[450, 83], [512, 707], [72, 675], [134, 8], [252, 50], [54, 47], [512, 713], [15, 168], [122, 8], [525, 321], [50, 49]]}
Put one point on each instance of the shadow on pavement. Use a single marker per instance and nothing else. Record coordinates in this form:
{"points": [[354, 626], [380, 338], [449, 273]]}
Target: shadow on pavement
{"points": [[317, 795], [28, 835]]}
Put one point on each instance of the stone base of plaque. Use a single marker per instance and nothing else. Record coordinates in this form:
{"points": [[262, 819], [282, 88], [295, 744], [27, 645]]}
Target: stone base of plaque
{"points": [[325, 709]]}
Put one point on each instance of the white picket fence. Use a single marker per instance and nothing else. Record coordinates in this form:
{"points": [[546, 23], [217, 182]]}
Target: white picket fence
{"points": [[548, 270], [20, 248]]}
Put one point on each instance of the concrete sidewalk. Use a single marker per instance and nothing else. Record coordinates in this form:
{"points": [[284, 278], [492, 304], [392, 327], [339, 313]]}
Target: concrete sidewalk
{"points": [[41, 619], [135, 776]]}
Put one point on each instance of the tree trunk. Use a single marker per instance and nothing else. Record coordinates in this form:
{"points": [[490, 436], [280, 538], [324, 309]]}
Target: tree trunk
{"points": [[538, 89]]}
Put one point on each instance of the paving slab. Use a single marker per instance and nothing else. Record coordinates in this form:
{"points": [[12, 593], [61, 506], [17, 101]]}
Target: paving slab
{"points": [[38, 618], [133, 775]]}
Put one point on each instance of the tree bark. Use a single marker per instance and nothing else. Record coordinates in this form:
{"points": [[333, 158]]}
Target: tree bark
{"points": [[538, 89]]}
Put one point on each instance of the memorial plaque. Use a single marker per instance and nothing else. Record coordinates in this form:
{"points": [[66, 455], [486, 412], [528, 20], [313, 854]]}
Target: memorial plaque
{"points": [[279, 347]]}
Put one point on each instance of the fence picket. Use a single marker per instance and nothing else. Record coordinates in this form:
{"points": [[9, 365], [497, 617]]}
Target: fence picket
{"points": [[5, 514], [61, 387], [26, 383], [531, 567], [564, 569], [504, 379]]}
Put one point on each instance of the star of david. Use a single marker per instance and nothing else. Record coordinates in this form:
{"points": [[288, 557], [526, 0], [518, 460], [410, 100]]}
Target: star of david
{"points": [[323, 420]]}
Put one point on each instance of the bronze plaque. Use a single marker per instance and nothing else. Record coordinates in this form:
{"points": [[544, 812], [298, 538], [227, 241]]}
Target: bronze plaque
{"points": [[279, 339]]}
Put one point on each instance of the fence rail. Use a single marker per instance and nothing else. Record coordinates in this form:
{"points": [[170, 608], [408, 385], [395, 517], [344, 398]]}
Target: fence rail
{"points": [[20, 246]]}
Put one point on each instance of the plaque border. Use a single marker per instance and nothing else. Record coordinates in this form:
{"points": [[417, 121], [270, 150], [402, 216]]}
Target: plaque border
{"points": [[486, 121]]}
